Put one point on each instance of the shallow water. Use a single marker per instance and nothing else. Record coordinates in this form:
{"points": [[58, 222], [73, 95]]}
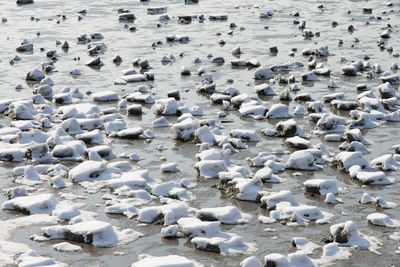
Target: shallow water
{"points": [[255, 41]]}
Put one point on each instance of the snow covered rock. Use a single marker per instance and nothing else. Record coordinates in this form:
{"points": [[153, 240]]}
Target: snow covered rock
{"points": [[293, 259], [380, 219], [226, 215], [172, 190], [105, 96], [97, 233], [302, 160], [169, 167], [165, 261], [385, 163], [346, 234], [245, 135], [164, 214], [66, 247], [263, 73], [210, 168], [321, 186], [32, 204], [345, 160], [185, 130], [36, 75], [288, 128], [278, 111], [87, 170], [298, 142]]}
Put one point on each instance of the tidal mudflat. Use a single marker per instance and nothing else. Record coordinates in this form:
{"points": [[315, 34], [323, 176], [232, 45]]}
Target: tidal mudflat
{"points": [[199, 133]]}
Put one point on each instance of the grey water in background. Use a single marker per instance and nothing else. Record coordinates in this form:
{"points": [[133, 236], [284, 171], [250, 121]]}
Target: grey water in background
{"points": [[255, 39]]}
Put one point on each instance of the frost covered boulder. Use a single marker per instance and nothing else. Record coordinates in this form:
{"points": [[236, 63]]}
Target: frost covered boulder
{"points": [[33, 204]]}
